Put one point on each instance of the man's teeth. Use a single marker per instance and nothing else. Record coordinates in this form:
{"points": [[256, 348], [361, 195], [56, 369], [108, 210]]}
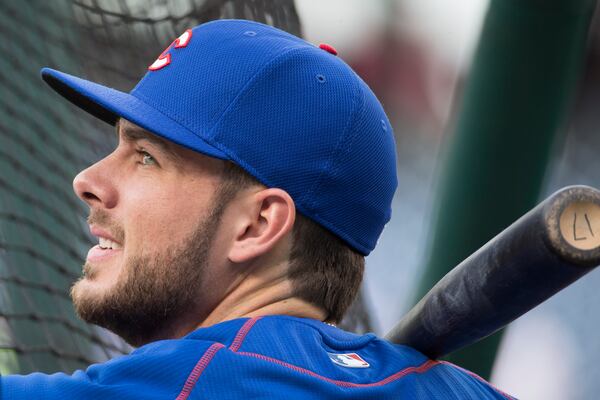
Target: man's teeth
{"points": [[108, 244]]}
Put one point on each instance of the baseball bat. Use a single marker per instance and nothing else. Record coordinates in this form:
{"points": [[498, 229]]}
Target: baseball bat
{"points": [[545, 250]]}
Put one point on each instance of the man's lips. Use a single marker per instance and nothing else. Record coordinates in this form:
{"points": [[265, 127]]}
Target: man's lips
{"points": [[99, 232], [97, 253]]}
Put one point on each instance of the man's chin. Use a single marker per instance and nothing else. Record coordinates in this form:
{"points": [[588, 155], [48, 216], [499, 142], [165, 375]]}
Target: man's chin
{"points": [[116, 307], [98, 309], [82, 293], [91, 303], [88, 295]]}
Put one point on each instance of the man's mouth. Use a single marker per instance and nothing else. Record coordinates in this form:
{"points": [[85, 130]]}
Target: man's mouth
{"points": [[105, 244], [99, 253]]}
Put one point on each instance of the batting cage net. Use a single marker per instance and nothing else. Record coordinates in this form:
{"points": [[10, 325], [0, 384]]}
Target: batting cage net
{"points": [[44, 142]]}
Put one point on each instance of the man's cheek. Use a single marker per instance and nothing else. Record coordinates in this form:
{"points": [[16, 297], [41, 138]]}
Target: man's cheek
{"points": [[145, 235]]}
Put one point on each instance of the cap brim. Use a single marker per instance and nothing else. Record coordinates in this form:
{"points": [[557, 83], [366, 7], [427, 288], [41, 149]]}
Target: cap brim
{"points": [[109, 104]]}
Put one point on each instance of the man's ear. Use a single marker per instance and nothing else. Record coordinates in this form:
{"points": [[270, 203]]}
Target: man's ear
{"points": [[269, 216]]}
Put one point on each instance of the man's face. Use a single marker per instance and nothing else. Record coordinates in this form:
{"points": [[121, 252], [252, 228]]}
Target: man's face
{"points": [[152, 206]]}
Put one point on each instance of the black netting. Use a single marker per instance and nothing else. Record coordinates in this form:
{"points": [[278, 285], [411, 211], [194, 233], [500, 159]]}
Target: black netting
{"points": [[44, 142]]}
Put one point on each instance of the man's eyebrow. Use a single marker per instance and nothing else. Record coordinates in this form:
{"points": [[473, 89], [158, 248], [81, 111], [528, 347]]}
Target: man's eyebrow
{"points": [[133, 133]]}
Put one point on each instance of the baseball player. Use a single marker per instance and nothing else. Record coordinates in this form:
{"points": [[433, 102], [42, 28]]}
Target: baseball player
{"points": [[253, 173]]}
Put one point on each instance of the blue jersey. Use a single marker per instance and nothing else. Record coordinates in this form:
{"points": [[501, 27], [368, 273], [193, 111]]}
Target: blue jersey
{"points": [[273, 357]]}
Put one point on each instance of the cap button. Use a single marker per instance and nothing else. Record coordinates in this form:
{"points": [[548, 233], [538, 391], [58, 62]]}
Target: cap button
{"points": [[328, 48]]}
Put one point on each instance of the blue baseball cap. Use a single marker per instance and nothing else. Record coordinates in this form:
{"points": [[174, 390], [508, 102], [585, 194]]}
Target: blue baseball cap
{"points": [[291, 114]]}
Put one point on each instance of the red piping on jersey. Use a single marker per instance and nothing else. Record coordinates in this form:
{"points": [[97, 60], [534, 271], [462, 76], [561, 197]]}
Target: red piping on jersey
{"points": [[245, 329], [400, 374], [241, 335], [210, 353], [474, 375], [198, 369]]}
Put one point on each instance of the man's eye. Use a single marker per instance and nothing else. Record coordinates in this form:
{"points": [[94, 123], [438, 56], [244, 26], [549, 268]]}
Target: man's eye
{"points": [[147, 159]]}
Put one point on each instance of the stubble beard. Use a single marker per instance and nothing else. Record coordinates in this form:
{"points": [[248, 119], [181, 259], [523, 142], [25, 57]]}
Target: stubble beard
{"points": [[153, 293]]}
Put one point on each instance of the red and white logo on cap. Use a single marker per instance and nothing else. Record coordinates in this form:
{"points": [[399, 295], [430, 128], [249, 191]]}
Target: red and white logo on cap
{"points": [[165, 58], [348, 360]]}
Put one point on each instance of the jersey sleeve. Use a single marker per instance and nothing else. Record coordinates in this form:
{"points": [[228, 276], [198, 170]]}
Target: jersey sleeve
{"points": [[155, 371]]}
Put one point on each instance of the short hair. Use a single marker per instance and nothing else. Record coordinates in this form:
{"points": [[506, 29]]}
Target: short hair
{"points": [[323, 269]]}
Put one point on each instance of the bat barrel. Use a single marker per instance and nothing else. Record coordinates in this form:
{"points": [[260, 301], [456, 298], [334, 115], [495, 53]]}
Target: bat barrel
{"points": [[544, 251]]}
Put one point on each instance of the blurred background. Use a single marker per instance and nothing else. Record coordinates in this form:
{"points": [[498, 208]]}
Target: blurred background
{"points": [[494, 107]]}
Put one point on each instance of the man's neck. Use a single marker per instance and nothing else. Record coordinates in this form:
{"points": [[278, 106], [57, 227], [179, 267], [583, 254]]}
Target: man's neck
{"points": [[274, 299]]}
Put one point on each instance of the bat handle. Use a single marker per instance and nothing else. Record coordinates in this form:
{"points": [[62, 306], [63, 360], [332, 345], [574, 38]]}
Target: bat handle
{"points": [[572, 221]]}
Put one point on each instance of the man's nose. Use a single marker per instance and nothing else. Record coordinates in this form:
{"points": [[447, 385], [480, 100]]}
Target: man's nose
{"points": [[95, 185]]}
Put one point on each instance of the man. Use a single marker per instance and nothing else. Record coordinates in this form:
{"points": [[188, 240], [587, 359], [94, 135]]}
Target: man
{"points": [[253, 173]]}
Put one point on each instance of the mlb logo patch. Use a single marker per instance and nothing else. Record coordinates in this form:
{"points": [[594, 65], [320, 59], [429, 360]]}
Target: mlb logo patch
{"points": [[348, 360]]}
